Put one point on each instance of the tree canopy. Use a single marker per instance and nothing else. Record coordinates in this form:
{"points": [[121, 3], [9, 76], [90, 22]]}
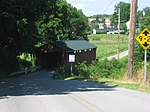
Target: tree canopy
{"points": [[144, 18], [18, 30], [28, 22], [124, 15]]}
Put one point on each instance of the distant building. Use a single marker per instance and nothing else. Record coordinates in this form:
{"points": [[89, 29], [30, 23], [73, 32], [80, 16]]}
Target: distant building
{"points": [[102, 25], [90, 20], [100, 19], [108, 22], [94, 31], [107, 31], [128, 24]]}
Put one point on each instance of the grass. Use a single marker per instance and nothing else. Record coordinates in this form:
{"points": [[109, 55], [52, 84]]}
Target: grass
{"points": [[107, 44], [123, 84], [126, 84]]}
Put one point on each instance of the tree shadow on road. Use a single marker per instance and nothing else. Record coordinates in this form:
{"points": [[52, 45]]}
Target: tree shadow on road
{"points": [[41, 83]]}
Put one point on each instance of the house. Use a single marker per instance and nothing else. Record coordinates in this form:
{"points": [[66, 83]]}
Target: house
{"points": [[90, 20], [101, 24], [107, 31], [108, 22], [94, 31], [128, 24], [58, 53], [100, 19]]}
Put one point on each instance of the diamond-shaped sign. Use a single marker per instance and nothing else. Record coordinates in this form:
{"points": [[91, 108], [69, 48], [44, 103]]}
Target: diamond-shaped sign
{"points": [[144, 38]]}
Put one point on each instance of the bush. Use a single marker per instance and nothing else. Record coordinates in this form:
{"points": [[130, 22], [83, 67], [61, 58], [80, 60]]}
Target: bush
{"points": [[24, 65], [61, 73], [80, 70], [101, 32], [102, 69], [26, 61], [109, 69]]}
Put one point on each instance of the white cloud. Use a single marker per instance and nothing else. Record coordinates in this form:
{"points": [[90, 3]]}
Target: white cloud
{"points": [[78, 5], [89, 13], [70, 1], [80, 1], [107, 10], [92, 0]]}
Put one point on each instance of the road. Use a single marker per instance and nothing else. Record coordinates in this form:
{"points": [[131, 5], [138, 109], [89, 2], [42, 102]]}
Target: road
{"points": [[38, 92]]}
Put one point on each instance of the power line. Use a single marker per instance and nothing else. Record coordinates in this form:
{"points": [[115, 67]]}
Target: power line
{"points": [[107, 7]]}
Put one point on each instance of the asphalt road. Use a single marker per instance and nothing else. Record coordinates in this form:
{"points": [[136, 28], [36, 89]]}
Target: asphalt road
{"points": [[39, 93]]}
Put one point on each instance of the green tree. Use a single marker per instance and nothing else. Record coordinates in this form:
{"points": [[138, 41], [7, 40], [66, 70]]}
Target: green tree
{"points": [[146, 10], [124, 15], [18, 30], [79, 25], [94, 24], [25, 23], [62, 21], [139, 15], [145, 22], [145, 19]]}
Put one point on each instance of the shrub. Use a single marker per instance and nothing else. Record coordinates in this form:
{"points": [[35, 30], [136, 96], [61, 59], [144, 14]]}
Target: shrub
{"points": [[101, 32], [110, 69], [24, 65], [102, 69], [61, 73]]}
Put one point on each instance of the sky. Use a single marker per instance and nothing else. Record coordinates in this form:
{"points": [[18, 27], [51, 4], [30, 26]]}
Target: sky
{"points": [[93, 7]]}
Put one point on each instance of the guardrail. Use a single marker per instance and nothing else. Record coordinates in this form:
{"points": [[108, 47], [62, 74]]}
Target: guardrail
{"points": [[32, 69]]}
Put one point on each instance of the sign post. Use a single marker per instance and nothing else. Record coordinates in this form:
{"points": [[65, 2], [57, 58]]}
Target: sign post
{"points": [[71, 60], [145, 63], [144, 40]]}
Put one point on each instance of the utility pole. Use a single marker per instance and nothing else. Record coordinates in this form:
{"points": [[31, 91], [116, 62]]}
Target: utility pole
{"points": [[133, 11], [118, 33]]}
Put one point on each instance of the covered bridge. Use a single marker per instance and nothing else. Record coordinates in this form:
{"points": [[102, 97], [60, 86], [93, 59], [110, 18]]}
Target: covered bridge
{"points": [[58, 53]]}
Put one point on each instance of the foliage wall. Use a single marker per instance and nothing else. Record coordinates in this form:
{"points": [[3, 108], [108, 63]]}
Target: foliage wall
{"points": [[25, 23]]}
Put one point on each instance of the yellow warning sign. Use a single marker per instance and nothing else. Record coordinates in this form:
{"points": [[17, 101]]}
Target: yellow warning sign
{"points": [[144, 38]]}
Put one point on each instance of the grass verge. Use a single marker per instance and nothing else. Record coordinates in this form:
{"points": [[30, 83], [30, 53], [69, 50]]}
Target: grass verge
{"points": [[123, 84]]}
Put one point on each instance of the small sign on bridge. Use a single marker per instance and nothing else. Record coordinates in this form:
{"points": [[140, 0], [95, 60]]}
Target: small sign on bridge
{"points": [[71, 60]]}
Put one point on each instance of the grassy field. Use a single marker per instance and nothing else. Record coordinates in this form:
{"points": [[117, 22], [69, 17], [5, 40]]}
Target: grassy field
{"points": [[107, 44]]}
